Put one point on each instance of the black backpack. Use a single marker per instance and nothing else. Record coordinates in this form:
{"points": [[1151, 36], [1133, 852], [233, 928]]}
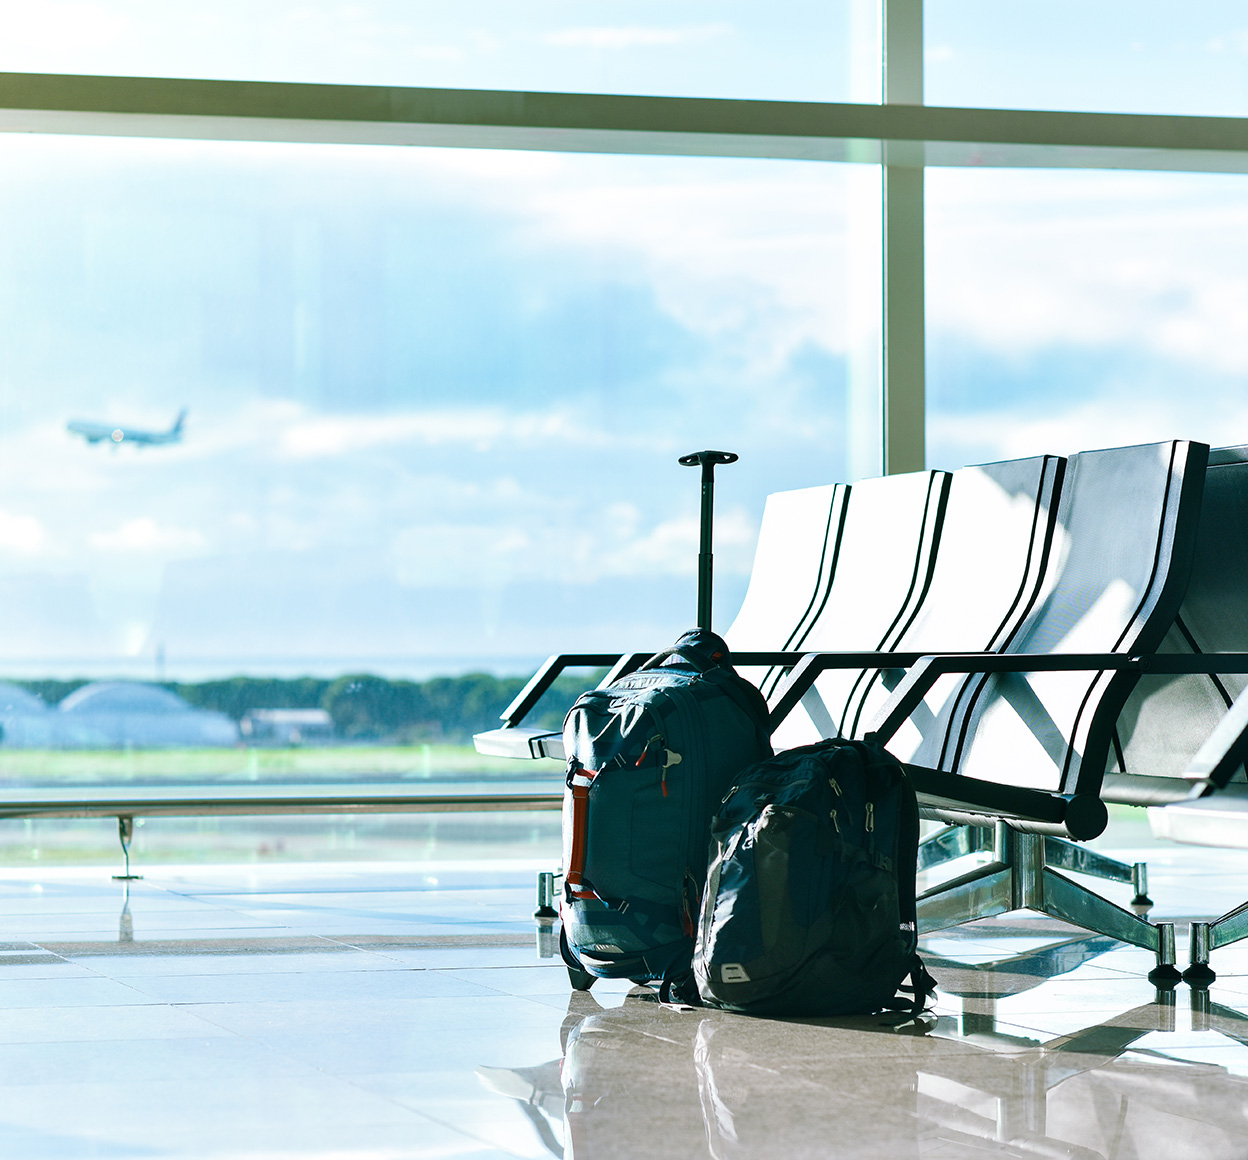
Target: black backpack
{"points": [[809, 906], [649, 760]]}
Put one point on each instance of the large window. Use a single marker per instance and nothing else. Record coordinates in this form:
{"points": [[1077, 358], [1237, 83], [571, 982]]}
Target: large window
{"points": [[1069, 310], [435, 398], [1120, 56], [794, 50]]}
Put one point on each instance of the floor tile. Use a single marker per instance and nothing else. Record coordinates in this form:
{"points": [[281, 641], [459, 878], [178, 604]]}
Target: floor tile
{"points": [[340, 1012]]}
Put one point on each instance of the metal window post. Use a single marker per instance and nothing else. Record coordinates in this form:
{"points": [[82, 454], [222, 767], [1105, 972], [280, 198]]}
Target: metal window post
{"points": [[903, 353]]}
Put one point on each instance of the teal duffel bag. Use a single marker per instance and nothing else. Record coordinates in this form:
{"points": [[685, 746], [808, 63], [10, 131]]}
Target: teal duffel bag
{"points": [[649, 760]]}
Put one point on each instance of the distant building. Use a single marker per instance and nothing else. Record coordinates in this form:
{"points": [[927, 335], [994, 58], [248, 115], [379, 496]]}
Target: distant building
{"points": [[111, 715], [286, 726]]}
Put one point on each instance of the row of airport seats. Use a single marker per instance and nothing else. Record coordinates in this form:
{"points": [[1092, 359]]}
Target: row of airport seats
{"points": [[991, 625]]}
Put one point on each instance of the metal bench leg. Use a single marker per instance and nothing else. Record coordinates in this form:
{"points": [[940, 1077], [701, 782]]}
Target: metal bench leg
{"points": [[953, 842], [1020, 879], [1064, 855], [545, 895], [1066, 899], [981, 893], [125, 831], [1207, 937]]}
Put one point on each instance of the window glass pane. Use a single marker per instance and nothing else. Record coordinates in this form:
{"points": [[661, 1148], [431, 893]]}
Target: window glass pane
{"points": [[1130, 56], [1072, 310], [434, 399], [796, 50]]}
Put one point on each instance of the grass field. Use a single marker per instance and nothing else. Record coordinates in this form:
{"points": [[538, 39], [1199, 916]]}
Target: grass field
{"points": [[368, 837], [25, 767]]}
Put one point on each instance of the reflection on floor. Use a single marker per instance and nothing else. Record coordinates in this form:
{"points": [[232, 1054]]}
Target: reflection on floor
{"points": [[383, 1012]]}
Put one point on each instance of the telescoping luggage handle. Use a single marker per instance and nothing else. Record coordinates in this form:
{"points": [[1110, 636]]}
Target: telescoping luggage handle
{"points": [[707, 460]]}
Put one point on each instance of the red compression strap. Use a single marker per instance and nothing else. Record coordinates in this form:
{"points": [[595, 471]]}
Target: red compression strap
{"points": [[574, 874]]}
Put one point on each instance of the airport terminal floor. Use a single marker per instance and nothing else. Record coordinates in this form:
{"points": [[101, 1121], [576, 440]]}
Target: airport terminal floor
{"points": [[378, 1011]]}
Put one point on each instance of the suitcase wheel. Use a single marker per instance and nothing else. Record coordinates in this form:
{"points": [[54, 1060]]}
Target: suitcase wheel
{"points": [[581, 980]]}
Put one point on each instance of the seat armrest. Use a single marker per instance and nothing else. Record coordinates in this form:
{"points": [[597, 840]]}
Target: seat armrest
{"points": [[519, 743], [918, 681], [545, 676], [810, 665]]}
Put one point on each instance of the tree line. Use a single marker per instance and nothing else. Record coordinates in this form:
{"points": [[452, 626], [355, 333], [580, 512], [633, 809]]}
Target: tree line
{"points": [[365, 707]]}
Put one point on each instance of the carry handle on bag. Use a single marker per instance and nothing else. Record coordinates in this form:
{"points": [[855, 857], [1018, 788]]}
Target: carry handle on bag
{"points": [[707, 460]]}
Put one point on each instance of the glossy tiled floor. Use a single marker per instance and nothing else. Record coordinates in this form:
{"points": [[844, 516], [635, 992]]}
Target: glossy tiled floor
{"points": [[377, 1012]]}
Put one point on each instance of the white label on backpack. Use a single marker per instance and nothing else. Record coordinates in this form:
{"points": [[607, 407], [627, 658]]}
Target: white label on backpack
{"points": [[733, 973]]}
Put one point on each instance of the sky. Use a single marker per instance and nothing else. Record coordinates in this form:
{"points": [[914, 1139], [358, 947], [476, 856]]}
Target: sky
{"points": [[436, 396]]}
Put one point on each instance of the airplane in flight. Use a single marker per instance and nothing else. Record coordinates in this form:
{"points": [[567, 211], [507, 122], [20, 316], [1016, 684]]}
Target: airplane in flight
{"points": [[98, 432]]}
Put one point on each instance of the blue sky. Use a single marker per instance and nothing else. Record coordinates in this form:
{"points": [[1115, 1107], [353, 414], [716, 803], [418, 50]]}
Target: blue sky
{"points": [[417, 381], [436, 396]]}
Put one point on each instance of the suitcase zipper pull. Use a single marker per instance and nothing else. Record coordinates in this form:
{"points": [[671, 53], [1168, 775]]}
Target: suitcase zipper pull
{"points": [[646, 749], [870, 817], [836, 789], [670, 757], [836, 825]]}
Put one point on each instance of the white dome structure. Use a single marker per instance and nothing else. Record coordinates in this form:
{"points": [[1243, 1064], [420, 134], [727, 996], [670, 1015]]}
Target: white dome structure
{"points": [[15, 699], [123, 697], [119, 715], [26, 721]]}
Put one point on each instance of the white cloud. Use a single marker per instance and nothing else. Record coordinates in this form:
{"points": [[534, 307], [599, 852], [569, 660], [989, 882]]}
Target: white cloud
{"points": [[22, 535], [1112, 421], [755, 256], [38, 34], [320, 437], [1234, 42], [670, 547], [144, 534], [635, 36], [1155, 263], [620, 541]]}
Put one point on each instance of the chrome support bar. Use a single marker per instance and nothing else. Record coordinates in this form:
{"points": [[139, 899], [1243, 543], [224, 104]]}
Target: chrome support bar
{"points": [[545, 895], [1064, 855], [1229, 928], [1209, 936], [1199, 973], [981, 893], [1020, 878], [953, 842], [125, 832]]}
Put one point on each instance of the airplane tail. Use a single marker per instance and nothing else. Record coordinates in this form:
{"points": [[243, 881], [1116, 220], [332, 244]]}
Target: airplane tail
{"points": [[176, 429]]}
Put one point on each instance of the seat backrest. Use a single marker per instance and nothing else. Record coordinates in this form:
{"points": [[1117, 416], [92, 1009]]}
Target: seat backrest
{"points": [[888, 546], [989, 567], [1168, 718], [1122, 554], [796, 556]]}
